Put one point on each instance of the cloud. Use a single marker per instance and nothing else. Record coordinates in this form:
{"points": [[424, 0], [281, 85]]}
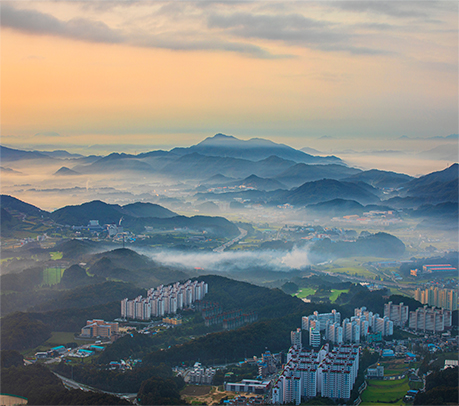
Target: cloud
{"points": [[292, 29], [35, 22], [47, 134], [399, 9]]}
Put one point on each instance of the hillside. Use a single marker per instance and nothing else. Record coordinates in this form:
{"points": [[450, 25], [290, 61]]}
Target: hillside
{"points": [[381, 179], [301, 173], [254, 149], [328, 189], [11, 203]]}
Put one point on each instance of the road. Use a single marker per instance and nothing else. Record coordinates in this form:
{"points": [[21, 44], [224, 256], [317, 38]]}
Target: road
{"points": [[71, 384], [235, 240]]}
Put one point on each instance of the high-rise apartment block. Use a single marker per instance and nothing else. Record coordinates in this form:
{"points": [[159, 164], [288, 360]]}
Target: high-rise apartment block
{"points": [[444, 298], [369, 321], [435, 320], [309, 373], [163, 300], [396, 313], [295, 337]]}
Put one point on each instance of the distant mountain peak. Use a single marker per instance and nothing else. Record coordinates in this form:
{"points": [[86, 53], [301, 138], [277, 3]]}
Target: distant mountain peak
{"points": [[223, 136]]}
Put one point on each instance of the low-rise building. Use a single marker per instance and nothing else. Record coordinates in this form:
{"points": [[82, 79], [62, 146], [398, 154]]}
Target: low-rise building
{"points": [[99, 328]]}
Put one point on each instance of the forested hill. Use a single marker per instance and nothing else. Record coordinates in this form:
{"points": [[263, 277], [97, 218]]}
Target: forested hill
{"points": [[268, 303]]}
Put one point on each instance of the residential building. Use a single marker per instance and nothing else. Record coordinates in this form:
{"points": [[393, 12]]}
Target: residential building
{"points": [[434, 296], [396, 313], [435, 320], [163, 300], [310, 373]]}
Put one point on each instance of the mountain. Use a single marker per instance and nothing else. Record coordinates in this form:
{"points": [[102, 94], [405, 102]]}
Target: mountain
{"points": [[301, 173], [328, 189], [64, 171], [336, 207], [435, 187], [10, 154], [253, 181], [380, 179], [254, 149], [108, 213], [446, 152], [9, 170], [208, 207], [80, 215], [11, 203], [197, 166], [311, 151], [60, 154], [447, 175], [115, 163], [342, 207], [129, 266], [218, 179], [140, 209]]}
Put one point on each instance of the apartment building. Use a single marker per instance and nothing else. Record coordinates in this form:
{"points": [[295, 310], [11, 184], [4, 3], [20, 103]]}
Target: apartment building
{"points": [[435, 320], [398, 314], [311, 373], [434, 296], [163, 300]]}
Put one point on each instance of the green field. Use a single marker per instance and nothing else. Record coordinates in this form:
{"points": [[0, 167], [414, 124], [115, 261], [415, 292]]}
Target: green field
{"points": [[391, 392], [56, 255], [52, 276], [304, 292], [57, 338], [395, 367], [352, 266], [335, 293]]}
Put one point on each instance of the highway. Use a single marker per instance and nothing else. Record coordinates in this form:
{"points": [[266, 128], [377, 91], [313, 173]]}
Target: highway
{"points": [[71, 384], [235, 240]]}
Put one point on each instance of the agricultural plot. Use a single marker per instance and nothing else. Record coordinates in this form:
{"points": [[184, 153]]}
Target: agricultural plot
{"points": [[56, 255], [52, 276], [380, 392]]}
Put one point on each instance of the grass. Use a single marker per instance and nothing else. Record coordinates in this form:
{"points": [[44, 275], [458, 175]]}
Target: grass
{"points": [[395, 367], [335, 293], [57, 338], [304, 292], [56, 255], [193, 390], [391, 392], [52, 276]]}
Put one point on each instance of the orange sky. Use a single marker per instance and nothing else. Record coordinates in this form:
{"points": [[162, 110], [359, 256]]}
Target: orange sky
{"points": [[165, 74]]}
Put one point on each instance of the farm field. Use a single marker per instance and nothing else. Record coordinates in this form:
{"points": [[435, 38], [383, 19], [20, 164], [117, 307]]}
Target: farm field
{"points": [[56, 255], [395, 367], [52, 276], [391, 392]]}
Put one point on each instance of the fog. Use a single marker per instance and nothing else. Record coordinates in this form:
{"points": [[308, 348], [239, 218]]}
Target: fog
{"points": [[232, 261]]}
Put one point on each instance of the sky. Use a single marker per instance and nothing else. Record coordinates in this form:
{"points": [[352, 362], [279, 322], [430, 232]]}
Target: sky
{"points": [[143, 75]]}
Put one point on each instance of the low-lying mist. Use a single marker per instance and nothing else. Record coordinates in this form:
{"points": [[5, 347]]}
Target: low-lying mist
{"points": [[232, 261]]}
